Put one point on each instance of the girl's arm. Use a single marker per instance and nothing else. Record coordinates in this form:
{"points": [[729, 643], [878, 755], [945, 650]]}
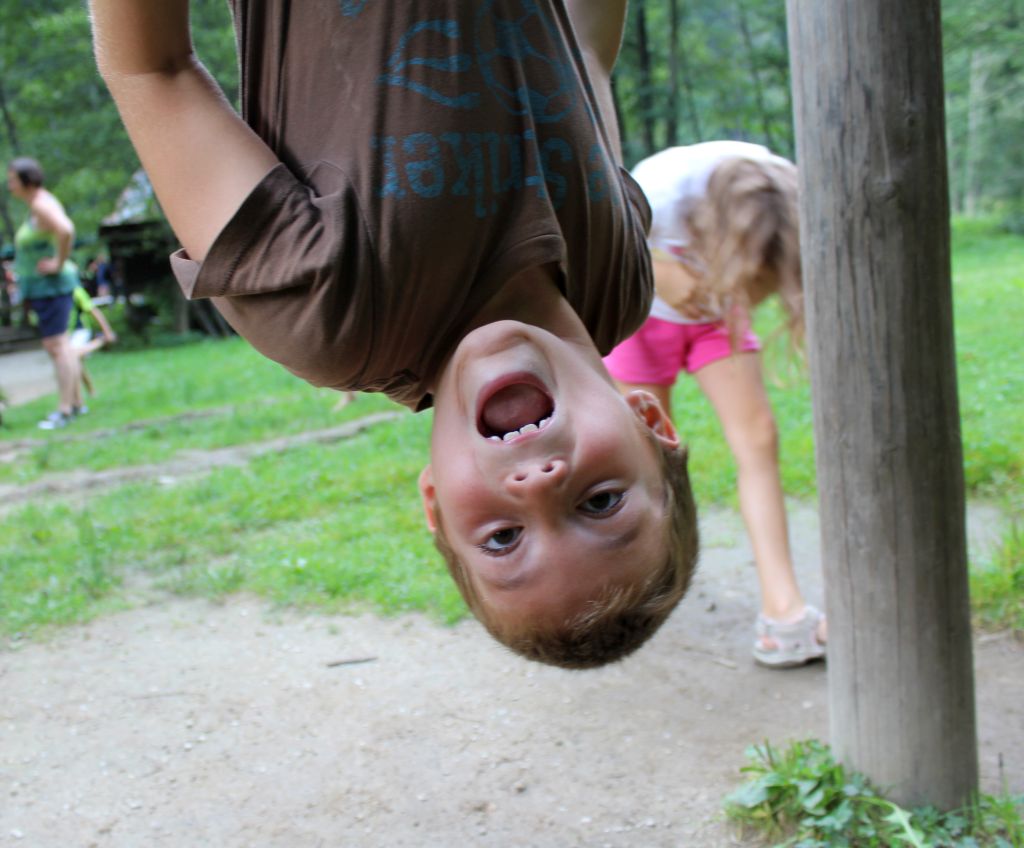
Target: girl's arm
{"points": [[51, 217], [201, 157], [680, 288]]}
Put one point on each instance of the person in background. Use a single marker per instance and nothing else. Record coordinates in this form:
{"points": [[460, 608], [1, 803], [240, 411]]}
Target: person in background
{"points": [[100, 276], [724, 237], [46, 278], [84, 341]]}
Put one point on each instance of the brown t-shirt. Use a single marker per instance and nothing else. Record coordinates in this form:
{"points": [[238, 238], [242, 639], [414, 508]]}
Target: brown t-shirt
{"points": [[430, 150]]}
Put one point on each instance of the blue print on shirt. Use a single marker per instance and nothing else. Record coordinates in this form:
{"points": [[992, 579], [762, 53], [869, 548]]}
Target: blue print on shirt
{"points": [[403, 59], [500, 44], [487, 167], [352, 8], [537, 83], [504, 42]]}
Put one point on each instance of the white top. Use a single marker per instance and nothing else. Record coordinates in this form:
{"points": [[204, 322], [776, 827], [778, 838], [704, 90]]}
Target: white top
{"points": [[674, 180]]}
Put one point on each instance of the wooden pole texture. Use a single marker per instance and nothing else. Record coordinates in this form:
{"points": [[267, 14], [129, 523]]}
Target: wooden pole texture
{"points": [[868, 101]]}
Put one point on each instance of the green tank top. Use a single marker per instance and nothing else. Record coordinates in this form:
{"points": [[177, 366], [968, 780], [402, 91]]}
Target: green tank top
{"points": [[31, 245]]}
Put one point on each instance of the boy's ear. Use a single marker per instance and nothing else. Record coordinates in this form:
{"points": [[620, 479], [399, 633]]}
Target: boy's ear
{"points": [[646, 406], [429, 497]]}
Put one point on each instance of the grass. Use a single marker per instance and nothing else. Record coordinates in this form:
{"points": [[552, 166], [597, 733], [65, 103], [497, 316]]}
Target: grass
{"points": [[988, 275], [802, 798], [339, 526], [155, 403], [327, 526]]}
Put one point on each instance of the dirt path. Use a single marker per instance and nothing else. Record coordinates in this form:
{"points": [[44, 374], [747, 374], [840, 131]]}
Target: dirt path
{"points": [[26, 375], [188, 724]]}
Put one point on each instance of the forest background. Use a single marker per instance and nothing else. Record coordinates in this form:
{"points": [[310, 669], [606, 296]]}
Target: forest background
{"points": [[690, 70]]}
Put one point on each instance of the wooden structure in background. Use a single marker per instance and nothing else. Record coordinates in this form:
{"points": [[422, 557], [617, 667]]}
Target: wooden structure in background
{"points": [[867, 78]]}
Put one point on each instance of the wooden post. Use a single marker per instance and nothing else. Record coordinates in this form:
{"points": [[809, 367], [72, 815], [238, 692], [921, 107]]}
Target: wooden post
{"points": [[867, 78]]}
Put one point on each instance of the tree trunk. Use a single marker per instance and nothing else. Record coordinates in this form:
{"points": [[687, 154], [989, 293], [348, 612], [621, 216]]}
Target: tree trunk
{"points": [[755, 76], [9, 126], [12, 139], [646, 86], [875, 223], [789, 149], [686, 77], [672, 120]]}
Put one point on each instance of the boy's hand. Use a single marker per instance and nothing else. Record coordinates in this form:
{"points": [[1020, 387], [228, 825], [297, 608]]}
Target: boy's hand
{"points": [[109, 337]]}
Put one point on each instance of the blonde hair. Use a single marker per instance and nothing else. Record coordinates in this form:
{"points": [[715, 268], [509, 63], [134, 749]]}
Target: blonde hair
{"points": [[746, 231], [619, 621]]}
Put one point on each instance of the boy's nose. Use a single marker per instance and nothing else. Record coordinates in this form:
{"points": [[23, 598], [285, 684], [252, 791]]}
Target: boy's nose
{"points": [[539, 474]]}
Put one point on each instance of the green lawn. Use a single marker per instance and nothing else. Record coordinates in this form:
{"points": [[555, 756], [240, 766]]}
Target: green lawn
{"points": [[338, 526]]}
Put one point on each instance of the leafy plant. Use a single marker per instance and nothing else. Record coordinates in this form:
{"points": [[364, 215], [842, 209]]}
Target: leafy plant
{"points": [[804, 798]]}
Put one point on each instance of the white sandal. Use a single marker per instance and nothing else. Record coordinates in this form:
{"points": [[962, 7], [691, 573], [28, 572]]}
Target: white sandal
{"points": [[796, 642]]}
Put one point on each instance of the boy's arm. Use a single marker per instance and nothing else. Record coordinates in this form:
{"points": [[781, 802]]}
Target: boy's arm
{"points": [[201, 157], [52, 218], [599, 25]]}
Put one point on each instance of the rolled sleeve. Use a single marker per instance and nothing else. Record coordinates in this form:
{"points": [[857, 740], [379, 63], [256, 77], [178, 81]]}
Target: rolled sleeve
{"points": [[282, 235]]}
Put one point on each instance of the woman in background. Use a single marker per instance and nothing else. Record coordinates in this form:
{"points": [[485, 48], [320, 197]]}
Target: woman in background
{"points": [[47, 277]]}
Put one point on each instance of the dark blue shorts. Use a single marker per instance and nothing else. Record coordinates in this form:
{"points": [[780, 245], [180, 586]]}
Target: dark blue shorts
{"points": [[53, 314]]}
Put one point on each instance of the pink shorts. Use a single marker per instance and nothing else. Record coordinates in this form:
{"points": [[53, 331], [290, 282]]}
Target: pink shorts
{"points": [[661, 349]]}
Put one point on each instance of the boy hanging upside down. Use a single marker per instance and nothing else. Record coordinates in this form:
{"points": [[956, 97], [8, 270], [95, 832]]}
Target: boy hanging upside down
{"points": [[423, 198]]}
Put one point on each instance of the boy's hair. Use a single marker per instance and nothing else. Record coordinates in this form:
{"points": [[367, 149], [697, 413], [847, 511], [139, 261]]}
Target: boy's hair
{"points": [[623, 618], [746, 230], [28, 171]]}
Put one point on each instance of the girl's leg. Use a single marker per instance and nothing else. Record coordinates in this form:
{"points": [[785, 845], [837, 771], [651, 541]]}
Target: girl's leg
{"points": [[66, 368], [82, 351], [87, 380], [735, 387]]}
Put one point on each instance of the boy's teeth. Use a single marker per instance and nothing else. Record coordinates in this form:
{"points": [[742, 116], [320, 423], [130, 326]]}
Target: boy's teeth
{"points": [[526, 428]]}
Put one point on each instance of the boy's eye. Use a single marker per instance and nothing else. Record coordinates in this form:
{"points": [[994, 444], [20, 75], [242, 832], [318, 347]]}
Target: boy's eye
{"points": [[500, 541], [601, 503]]}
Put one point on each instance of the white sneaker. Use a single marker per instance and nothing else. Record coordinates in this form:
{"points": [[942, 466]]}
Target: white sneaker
{"points": [[54, 421]]}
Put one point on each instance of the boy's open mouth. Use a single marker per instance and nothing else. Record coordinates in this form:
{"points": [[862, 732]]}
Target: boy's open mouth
{"points": [[514, 409]]}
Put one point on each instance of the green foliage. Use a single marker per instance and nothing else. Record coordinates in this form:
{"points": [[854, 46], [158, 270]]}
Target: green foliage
{"points": [[802, 797], [984, 77], [709, 70], [57, 109], [704, 70], [721, 72]]}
